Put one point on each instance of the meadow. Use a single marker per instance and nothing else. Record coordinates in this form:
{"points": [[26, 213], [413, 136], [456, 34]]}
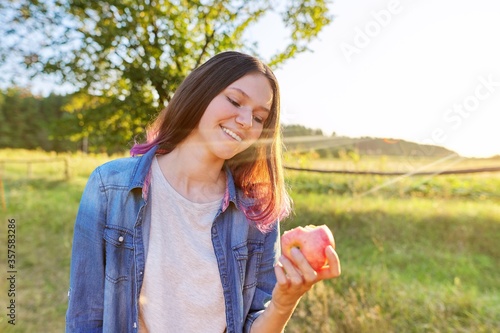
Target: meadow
{"points": [[418, 254]]}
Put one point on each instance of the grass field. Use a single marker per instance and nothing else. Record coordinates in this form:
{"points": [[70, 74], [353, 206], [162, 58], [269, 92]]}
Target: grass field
{"points": [[419, 254]]}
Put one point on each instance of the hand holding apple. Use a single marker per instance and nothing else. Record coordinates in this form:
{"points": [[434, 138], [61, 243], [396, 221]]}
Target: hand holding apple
{"points": [[311, 241], [295, 276]]}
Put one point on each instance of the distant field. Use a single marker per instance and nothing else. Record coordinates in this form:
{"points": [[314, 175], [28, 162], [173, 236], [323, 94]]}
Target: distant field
{"points": [[419, 254], [389, 163]]}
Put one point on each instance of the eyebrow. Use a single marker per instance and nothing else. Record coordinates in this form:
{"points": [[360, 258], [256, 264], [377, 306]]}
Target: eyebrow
{"points": [[248, 97]]}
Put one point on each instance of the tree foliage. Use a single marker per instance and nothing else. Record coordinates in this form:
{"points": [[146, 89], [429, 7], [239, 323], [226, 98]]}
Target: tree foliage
{"points": [[126, 58], [30, 122], [294, 130]]}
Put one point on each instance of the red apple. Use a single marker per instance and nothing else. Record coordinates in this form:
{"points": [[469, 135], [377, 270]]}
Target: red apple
{"points": [[311, 241]]}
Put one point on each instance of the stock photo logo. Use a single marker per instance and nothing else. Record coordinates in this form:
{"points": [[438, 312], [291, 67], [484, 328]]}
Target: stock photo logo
{"points": [[454, 116], [371, 30]]}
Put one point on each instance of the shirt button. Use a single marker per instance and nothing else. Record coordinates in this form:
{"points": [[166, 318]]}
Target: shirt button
{"points": [[120, 239]]}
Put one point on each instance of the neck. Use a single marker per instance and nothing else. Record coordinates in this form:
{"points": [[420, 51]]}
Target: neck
{"points": [[196, 177]]}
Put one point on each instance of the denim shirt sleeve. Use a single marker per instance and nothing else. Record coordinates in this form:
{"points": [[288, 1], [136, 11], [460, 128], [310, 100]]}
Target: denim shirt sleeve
{"points": [[266, 279], [86, 291]]}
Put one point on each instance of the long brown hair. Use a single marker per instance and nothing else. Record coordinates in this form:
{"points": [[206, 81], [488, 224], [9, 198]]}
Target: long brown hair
{"points": [[258, 170]]}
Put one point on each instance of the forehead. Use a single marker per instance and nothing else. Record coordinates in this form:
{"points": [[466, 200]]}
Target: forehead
{"points": [[255, 87]]}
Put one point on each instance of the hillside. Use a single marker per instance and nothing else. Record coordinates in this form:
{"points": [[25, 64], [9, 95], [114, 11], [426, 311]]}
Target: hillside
{"points": [[330, 146]]}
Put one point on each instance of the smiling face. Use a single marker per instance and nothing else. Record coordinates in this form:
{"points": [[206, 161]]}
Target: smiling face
{"points": [[235, 118]]}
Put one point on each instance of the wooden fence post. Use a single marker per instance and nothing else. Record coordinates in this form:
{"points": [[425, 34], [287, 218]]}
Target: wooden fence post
{"points": [[2, 190], [66, 168]]}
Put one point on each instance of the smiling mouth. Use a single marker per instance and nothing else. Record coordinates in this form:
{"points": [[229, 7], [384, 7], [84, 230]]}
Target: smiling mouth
{"points": [[232, 134]]}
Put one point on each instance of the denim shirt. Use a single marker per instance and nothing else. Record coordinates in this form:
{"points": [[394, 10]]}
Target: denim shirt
{"points": [[108, 256]]}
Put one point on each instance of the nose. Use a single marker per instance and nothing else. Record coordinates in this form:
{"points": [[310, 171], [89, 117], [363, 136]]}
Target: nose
{"points": [[244, 117]]}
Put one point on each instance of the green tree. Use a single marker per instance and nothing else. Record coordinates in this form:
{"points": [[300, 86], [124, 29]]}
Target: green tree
{"points": [[55, 134], [4, 126], [294, 130], [21, 120], [28, 121], [125, 58]]}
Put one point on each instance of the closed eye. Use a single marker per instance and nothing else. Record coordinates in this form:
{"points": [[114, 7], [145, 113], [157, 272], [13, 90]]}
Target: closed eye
{"points": [[232, 101], [258, 119]]}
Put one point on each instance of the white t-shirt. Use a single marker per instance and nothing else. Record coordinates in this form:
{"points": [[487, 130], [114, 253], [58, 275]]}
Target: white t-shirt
{"points": [[182, 290]]}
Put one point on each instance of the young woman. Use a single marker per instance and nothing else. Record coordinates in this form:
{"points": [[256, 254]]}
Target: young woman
{"points": [[185, 237]]}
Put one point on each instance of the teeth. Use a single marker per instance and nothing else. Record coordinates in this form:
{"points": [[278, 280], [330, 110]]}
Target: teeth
{"points": [[232, 134]]}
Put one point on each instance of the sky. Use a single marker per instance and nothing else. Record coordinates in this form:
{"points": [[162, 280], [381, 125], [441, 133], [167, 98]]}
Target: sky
{"points": [[418, 70]]}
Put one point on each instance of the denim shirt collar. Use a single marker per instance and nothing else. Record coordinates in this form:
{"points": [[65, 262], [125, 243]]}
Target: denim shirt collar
{"points": [[142, 173]]}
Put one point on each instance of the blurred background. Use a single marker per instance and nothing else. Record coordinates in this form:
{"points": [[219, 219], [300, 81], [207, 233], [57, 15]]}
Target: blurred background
{"points": [[390, 112]]}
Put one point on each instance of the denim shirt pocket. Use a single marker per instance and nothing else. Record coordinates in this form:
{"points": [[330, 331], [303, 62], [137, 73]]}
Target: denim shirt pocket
{"points": [[119, 247], [248, 257]]}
